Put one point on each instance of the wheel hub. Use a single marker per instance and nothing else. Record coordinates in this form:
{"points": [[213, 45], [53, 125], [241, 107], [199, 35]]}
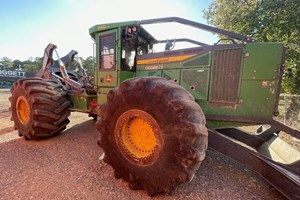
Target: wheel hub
{"points": [[22, 109], [138, 137]]}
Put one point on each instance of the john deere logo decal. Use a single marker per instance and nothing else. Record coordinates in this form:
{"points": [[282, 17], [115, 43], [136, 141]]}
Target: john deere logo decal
{"points": [[108, 78]]}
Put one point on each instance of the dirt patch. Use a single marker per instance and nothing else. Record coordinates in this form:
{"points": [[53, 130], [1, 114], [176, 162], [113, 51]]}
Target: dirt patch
{"points": [[6, 130], [4, 102], [6, 125], [292, 141]]}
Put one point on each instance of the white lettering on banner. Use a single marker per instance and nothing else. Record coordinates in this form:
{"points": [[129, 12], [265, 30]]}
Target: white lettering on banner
{"points": [[10, 73]]}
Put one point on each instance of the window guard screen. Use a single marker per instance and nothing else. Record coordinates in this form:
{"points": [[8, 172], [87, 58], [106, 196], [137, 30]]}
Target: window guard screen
{"points": [[107, 52]]}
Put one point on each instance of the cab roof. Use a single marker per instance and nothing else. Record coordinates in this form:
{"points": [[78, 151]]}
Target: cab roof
{"points": [[109, 26]]}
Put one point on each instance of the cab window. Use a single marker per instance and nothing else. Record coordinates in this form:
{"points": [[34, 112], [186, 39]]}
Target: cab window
{"points": [[133, 44], [128, 54], [107, 52]]}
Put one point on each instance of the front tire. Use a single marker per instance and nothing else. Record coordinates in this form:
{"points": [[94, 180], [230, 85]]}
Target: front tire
{"points": [[39, 107], [153, 134]]}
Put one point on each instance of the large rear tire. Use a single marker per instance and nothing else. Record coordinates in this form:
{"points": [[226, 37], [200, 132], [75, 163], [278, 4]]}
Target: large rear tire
{"points": [[39, 107], [153, 134]]}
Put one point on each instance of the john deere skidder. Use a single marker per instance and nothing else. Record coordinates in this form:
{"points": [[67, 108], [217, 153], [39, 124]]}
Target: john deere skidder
{"points": [[157, 112]]}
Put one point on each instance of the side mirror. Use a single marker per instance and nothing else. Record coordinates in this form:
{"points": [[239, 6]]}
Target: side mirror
{"points": [[170, 45]]}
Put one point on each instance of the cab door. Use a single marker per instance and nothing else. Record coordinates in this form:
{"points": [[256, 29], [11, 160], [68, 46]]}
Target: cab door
{"points": [[107, 66]]}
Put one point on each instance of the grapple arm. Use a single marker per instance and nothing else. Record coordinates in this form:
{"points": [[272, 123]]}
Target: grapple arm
{"points": [[66, 59], [47, 59]]}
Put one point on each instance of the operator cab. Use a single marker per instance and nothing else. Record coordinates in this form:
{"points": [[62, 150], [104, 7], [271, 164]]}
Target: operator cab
{"points": [[135, 41]]}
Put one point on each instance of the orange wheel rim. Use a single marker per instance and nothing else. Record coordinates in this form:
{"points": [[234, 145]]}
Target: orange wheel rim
{"points": [[22, 108], [138, 137]]}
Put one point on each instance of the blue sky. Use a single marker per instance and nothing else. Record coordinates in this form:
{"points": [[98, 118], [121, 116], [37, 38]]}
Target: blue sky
{"points": [[27, 26]]}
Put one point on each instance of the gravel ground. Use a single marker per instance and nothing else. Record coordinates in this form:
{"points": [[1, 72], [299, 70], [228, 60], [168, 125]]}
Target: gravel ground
{"points": [[69, 167]]}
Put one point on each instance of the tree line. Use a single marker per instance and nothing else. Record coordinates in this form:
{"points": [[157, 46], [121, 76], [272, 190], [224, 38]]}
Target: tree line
{"points": [[35, 64]]}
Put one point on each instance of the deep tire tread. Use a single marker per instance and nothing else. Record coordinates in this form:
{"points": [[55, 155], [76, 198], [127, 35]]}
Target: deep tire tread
{"points": [[49, 107], [44, 125], [62, 107], [46, 113], [62, 119], [43, 100]]}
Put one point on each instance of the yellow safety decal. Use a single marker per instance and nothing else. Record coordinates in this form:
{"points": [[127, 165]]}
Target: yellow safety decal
{"points": [[164, 60]]}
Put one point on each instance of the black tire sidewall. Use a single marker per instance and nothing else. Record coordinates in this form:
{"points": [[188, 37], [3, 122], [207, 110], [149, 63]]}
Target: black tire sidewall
{"points": [[21, 92]]}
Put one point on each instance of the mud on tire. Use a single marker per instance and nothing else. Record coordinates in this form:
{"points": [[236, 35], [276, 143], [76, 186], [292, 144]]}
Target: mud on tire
{"points": [[39, 107], [171, 116]]}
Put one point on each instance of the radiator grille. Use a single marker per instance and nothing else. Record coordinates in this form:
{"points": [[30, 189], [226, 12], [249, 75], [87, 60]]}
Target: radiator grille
{"points": [[225, 76]]}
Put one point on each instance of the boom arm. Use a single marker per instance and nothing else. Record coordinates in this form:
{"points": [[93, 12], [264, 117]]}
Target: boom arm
{"points": [[199, 26]]}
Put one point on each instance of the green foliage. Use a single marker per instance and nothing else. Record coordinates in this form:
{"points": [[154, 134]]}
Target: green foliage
{"points": [[89, 65], [6, 63], [32, 66], [17, 64], [73, 66], [266, 21]]}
